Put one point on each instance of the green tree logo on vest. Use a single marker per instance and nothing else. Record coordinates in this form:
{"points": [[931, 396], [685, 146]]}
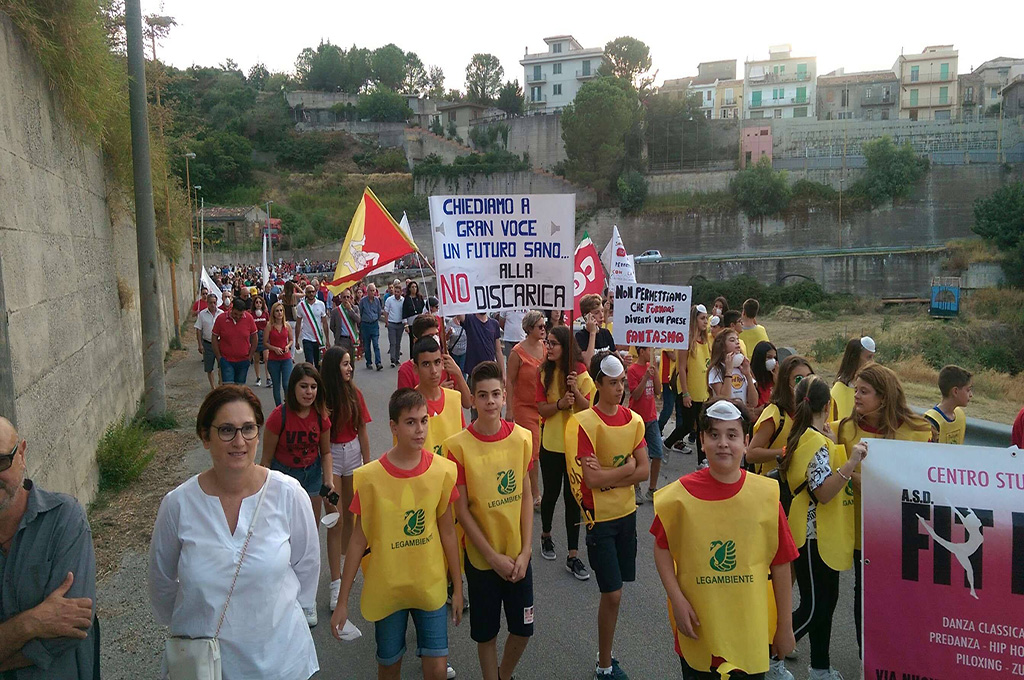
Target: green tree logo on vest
{"points": [[437, 450], [849, 488], [415, 522], [619, 461], [506, 482], [723, 555]]}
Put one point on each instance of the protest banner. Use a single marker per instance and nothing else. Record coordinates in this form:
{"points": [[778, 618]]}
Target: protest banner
{"points": [[618, 263], [588, 276], [652, 315], [499, 253], [933, 608]]}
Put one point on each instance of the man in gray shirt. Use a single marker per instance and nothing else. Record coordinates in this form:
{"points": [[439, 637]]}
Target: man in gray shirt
{"points": [[48, 627]]}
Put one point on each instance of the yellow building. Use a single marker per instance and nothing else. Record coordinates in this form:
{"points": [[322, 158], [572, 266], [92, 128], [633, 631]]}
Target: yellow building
{"points": [[928, 83], [729, 98]]}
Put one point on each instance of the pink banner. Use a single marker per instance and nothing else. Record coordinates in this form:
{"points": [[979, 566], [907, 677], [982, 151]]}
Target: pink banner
{"points": [[943, 561]]}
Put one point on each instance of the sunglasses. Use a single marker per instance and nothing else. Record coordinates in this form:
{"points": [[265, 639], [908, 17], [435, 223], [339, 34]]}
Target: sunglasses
{"points": [[7, 459]]}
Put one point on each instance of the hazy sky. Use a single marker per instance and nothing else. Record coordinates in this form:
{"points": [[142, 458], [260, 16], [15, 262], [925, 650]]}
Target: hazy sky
{"points": [[865, 35]]}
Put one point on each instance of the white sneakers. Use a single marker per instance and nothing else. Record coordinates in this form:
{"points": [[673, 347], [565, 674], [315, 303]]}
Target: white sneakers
{"points": [[777, 670], [335, 591], [818, 674], [310, 616], [450, 672]]}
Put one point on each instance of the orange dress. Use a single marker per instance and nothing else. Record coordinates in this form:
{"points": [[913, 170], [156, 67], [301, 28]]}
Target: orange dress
{"points": [[524, 395]]}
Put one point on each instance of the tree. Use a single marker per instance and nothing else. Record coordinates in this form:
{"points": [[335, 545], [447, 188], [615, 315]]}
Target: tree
{"points": [[629, 59], [483, 78], [258, 76], [388, 64], [358, 70], [415, 75], [999, 218], [454, 96], [594, 127], [321, 69], [510, 98], [384, 106], [435, 83], [761, 191], [632, 189], [891, 170]]}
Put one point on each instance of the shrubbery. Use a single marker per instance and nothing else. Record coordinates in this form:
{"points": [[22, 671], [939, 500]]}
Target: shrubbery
{"points": [[474, 163], [632, 189]]}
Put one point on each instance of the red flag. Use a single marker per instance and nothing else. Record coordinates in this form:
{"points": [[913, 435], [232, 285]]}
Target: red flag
{"points": [[374, 239], [589, 275]]}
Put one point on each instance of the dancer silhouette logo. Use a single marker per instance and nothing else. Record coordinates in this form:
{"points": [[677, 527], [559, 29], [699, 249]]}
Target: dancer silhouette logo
{"points": [[938, 523]]}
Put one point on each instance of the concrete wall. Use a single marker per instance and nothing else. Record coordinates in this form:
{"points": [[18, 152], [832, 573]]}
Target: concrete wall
{"points": [[540, 136], [386, 134], [74, 353], [677, 182], [420, 143], [527, 182]]}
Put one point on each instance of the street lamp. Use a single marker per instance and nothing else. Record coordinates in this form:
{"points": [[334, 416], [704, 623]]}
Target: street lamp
{"points": [[270, 237], [202, 224]]}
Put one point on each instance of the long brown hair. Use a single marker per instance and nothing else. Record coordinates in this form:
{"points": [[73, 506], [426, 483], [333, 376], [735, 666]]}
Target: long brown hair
{"points": [[289, 293], [306, 370], [812, 397], [850, 364], [782, 394], [695, 334], [562, 336], [340, 395], [893, 410], [718, 354], [274, 308]]}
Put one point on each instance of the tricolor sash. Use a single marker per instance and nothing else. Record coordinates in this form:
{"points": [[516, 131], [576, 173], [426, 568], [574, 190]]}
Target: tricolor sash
{"points": [[318, 330]]}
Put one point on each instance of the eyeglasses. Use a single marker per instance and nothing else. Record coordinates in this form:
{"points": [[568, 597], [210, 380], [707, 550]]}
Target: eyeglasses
{"points": [[227, 432], [7, 459]]}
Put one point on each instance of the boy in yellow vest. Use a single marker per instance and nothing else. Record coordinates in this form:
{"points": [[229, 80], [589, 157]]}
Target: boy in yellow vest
{"points": [[607, 453], [402, 503], [444, 406], [719, 532], [494, 457], [752, 332], [947, 418]]}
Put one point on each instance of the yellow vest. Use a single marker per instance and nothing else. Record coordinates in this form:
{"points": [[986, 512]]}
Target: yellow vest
{"points": [[770, 417], [697, 360], [848, 436], [406, 567], [949, 432], [751, 336], [494, 488], [553, 432], [834, 519], [444, 424], [613, 446], [842, 401], [723, 552]]}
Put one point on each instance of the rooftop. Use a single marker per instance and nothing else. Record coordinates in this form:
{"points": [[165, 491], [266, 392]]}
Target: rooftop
{"points": [[859, 77], [216, 212], [459, 105], [997, 62]]}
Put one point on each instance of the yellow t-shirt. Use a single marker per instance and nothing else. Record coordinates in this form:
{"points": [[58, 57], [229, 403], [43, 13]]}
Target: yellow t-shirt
{"points": [[950, 430], [698, 358], [553, 431], [493, 468], [751, 336]]}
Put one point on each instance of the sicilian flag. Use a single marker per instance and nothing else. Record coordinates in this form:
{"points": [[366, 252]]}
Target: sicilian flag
{"points": [[404, 224], [589, 275], [374, 239]]}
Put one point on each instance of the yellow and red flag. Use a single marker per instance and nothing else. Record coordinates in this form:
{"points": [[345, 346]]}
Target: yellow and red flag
{"points": [[374, 239]]}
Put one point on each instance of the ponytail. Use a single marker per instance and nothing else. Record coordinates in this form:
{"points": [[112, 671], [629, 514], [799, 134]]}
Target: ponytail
{"points": [[812, 397]]}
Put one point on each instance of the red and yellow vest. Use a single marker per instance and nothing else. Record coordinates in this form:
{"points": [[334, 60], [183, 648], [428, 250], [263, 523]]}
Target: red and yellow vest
{"points": [[723, 552], [445, 423], [834, 519], [494, 488], [405, 567]]}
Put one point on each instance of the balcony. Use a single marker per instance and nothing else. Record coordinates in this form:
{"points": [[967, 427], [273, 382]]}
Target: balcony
{"points": [[925, 101], [878, 100], [580, 75], [927, 76], [728, 102], [768, 78], [538, 102], [534, 78]]}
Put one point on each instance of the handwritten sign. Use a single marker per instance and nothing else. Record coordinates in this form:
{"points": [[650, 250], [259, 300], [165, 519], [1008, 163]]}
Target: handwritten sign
{"points": [[652, 316]]}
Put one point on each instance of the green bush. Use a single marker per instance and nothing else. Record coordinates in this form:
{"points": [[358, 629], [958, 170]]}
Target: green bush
{"points": [[805, 294], [632, 188], [700, 202], [761, 191], [123, 453], [382, 160], [830, 347], [165, 421], [474, 163], [891, 171], [305, 151], [384, 106]]}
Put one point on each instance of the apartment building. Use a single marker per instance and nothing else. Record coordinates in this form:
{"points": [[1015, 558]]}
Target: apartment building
{"points": [[928, 83], [865, 95], [980, 90], [729, 98], [781, 86], [552, 78], [714, 89]]}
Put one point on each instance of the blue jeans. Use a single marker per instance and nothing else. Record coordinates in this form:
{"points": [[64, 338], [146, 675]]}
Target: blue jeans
{"points": [[280, 370], [311, 352], [652, 435], [668, 403], [431, 634], [233, 371], [370, 333]]}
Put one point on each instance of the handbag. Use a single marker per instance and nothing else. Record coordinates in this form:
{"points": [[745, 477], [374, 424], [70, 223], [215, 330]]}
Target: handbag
{"points": [[199, 658]]}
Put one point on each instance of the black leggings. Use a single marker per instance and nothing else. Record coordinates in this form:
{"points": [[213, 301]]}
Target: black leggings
{"points": [[819, 594], [554, 475], [686, 422]]}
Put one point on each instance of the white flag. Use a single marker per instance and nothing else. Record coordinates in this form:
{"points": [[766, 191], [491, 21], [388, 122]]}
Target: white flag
{"points": [[265, 270], [404, 224], [211, 287], [616, 261]]}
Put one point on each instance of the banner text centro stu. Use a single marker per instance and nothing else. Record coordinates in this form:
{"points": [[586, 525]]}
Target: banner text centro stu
{"points": [[504, 252]]}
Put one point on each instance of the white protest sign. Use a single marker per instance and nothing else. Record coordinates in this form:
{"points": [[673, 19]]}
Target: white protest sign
{"points": [[616, 261], [500, 253], [652, 315]]}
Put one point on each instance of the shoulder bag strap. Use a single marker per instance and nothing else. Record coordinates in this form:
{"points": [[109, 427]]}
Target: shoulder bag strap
{"points": [[241, 558]]}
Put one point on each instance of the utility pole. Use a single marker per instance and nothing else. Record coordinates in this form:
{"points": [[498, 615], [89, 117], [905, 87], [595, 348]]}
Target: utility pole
{"points": [[270, 237], [191, 222], [145, 218]]}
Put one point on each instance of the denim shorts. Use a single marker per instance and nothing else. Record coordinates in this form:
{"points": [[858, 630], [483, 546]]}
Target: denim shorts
{"points": [[311, 478], [431, 634], [652, 435], [611, 550]]}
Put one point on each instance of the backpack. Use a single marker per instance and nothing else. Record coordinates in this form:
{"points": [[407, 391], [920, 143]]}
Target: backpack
{"points": [[785, 495]]}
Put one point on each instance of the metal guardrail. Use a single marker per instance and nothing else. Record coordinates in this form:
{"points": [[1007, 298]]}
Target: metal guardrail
{"points": [[785, 254]]}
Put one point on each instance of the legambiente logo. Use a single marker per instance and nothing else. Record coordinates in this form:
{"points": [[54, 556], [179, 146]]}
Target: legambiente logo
{"points": [[506, 482], [723, 555], [415, 522]]}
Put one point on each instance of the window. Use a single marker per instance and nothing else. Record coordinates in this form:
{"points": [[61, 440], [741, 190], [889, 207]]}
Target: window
{"points": [[801, 95], [968, 94], [943, 95], [710, 95], [801, 71], [707, 114], [556, 48], [915, 74], [994, 92], [778, 113], [944, 71], [757, 114], [451, 116], [913, 97], [556, 89], [942, 115], [724, 113], [535, 94], [830, 96], [885, 114], [728, 95], [844, 99], [886, 93], [556, 69], [755, 98], [586, 67], [536, 72], [801, 112]]}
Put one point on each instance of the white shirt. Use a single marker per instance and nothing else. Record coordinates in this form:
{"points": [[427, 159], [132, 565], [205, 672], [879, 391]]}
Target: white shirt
{"points": [[204, 322], [513, 331], [393, 308], [319, 314], [193, 557], [737, 382]]}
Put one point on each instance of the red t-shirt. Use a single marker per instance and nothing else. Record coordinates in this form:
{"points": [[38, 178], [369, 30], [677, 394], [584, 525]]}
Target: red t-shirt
{"points": [[409, 377], [234, 336], [764, 394], [644, 406], [298, 445], [198, 305], [1017, 432], [261, 321], [586, 447], [702, 485], [426, 458], [277, 338], [348, 432], [504, 431]]}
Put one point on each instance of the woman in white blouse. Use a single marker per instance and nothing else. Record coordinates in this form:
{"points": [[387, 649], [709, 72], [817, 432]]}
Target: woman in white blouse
{"points": [[198, 539]]}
